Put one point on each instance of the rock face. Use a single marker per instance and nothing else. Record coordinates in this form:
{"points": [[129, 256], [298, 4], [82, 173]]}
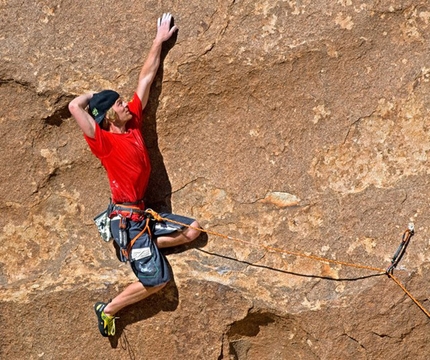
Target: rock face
{"points": [[294, 125]]}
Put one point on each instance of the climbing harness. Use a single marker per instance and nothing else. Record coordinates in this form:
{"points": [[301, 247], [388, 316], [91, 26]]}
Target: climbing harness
{"points": [[133, 213], [396, 258], [125, 212], [126, 246]]}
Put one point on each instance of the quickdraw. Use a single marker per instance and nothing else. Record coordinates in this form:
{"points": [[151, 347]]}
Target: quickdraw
{"points": [[407, 235]]}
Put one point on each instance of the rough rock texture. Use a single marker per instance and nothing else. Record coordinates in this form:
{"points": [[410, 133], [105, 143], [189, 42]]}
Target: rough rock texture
{"points": [[297, 125]]}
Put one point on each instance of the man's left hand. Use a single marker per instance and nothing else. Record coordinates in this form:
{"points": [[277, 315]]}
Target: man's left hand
{"points": [[164, 31]]}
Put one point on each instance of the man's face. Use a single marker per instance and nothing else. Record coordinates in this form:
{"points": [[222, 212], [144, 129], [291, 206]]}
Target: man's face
{"points": [[121, 109]]}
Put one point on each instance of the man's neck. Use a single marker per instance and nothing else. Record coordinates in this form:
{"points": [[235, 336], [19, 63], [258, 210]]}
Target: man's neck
{"points": [[117, 129]]}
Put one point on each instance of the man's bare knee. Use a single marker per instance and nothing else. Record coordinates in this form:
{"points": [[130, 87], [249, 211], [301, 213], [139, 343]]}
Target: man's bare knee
{"points": [[192, 232]]}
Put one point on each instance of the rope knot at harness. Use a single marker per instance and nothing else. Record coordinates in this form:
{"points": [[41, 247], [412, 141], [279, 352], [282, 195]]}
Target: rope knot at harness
{"points": [[153, 214]]}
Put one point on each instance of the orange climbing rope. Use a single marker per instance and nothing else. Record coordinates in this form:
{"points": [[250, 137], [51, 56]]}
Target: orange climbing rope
{"points": [[409, 294], [405, 239]]}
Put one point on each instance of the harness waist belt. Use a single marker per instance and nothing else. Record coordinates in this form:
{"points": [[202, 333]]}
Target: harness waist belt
{"points": [[134, 213]]}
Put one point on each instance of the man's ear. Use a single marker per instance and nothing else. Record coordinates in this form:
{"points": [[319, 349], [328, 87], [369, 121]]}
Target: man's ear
{"points": [[105, 124], [111, 115]]}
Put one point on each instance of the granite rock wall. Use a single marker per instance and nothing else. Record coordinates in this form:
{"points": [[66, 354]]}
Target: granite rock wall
{"points": [[296, 126]]}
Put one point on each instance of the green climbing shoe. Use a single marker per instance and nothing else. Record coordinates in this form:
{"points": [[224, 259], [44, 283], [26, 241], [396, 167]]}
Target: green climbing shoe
{"points": [[106, 322]]}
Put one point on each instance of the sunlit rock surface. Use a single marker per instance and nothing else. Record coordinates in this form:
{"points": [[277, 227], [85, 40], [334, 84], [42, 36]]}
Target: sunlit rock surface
{"points": [[296, 126]]}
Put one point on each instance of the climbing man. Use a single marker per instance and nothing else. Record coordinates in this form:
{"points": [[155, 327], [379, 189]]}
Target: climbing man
{"points": [[112, 129]]}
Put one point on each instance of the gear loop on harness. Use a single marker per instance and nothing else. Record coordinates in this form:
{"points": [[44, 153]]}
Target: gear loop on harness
{"points": [[123, 237]]}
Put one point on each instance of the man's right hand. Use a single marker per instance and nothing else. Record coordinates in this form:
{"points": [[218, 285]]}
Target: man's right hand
{"points": [[152, 62]]}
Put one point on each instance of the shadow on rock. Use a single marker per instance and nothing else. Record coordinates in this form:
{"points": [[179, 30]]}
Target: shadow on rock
{"points": [[166, 299], [158, 194]]}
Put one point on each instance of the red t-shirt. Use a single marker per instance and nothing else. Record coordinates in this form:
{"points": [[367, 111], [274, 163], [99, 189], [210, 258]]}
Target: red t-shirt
{"points": [[124, 156]]}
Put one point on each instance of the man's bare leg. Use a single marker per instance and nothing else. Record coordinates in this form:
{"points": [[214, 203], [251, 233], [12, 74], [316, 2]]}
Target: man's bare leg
{"points": [[132, 294], [136, 291], [179, 237]]}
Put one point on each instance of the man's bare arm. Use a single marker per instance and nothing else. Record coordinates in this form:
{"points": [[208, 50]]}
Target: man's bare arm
{"points": [[85, 121], [152, 62]]}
